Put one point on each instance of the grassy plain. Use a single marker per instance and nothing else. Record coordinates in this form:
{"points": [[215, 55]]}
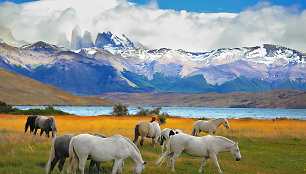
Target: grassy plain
{"points": [[266, 146]]}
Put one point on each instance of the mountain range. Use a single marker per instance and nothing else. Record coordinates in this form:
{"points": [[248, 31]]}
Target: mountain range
{"points": [[113, 63]]}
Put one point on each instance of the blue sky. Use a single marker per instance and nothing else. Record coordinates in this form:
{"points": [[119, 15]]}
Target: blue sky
{"points": [[210, 6]]}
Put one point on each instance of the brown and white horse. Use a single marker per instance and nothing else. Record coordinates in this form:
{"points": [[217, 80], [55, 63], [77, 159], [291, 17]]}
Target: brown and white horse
{"points": [[149, 130]]}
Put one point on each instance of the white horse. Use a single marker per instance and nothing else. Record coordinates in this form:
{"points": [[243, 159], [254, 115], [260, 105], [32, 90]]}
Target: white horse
{"points": [[149, 130], [210, 126], [165, 135], [207, 146], [115, 148]]}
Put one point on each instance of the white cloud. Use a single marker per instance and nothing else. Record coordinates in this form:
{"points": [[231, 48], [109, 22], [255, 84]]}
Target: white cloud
{"points": [[48, 20]]}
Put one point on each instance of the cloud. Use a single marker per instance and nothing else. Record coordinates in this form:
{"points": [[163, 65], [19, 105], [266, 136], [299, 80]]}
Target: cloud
{"points": [[50, 20]]}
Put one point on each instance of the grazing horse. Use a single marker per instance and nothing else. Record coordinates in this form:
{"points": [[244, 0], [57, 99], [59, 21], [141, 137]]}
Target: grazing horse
{"points": [[149, 130], [206, 146], [115, 148], [165, 135], [45, 124], [210, 126], [30, 123], [60, 151]]}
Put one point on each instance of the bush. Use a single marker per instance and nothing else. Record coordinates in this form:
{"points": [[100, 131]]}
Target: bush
{"points": [[120, 110], [49, 110], [154, 111], [148, 112], [5, 108]]}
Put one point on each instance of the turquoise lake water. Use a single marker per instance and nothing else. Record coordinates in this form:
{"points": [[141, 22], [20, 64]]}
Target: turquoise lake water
{"points": [[189, 112]]}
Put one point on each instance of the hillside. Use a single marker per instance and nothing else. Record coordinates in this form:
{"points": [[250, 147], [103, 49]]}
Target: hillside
{"points": [[20, 90], [281, 98]]}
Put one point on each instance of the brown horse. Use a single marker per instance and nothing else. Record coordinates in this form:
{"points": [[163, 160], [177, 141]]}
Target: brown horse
{"points": [[149, 130]]}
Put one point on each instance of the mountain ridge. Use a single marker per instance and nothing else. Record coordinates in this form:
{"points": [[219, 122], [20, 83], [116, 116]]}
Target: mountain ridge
{"points": [[118, 66]]}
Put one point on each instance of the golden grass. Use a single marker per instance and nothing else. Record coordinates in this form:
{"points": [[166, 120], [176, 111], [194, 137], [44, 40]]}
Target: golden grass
{"points": [[258, 139], [110, 125]]}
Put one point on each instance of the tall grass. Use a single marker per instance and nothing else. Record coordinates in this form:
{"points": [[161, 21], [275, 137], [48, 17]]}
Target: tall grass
{"points": [[266, 146]]}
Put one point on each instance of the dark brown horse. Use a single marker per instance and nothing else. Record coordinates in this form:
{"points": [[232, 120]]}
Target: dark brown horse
{"points": [[30, 123]]}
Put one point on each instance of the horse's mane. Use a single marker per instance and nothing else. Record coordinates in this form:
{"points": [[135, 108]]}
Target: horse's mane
{"points": [[128, 140], [224, 138]]}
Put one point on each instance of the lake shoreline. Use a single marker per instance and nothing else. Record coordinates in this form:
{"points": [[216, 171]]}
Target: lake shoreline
{"points": [[127, 117]]}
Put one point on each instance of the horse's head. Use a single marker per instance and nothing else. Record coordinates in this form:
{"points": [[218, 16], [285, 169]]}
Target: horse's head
{"points": [[235, 152], [138, 168], [225, 123], [155, 118], [53, 126]]}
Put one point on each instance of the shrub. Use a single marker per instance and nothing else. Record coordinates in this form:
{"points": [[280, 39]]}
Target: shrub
{"points": [[148, 112], [49, 110], [120, 110], [153, 111], [5, 108]]}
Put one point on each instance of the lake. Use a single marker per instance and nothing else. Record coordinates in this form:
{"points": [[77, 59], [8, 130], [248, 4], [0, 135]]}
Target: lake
{"points": [[189, 112]]}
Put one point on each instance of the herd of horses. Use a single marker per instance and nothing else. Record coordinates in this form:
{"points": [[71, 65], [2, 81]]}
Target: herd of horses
{"points": [[100, 148]]}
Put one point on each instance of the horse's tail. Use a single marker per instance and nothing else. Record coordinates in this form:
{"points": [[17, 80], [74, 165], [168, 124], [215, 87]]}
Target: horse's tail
{"points": [[73, 158], [51, 157], [136, 133], [162, 158], [26, 126]]}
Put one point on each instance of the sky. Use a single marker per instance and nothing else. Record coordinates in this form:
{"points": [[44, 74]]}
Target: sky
{"points": [[193, 25]]}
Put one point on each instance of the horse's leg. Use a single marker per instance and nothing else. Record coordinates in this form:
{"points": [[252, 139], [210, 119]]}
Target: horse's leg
{"points": [[61, 164], [141, 141], [82, 163], [91, 165], [175, 156], [202, 164], [47, 133], [41, 131], [119, 170], [98, 167], [53, 163], [215, 159], [117, 165], [169, 159], [31, 129], [197, 131], [163, 148], [153, 142], [35, 131]]}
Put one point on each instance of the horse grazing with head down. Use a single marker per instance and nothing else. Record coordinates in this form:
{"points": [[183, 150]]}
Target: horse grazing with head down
{"points": [[149, 130], [206, 146], [46, 125], [60, 151], [30, 123], [115, 148], [165, 135], [210, 126]]}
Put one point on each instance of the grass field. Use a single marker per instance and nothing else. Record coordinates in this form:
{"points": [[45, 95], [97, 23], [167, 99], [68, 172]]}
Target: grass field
{"points": [[266, 146]]}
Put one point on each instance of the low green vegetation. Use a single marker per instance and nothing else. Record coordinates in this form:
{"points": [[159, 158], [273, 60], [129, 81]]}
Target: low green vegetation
{"points": [[122, 110], [26, 154], [49, 110]]}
